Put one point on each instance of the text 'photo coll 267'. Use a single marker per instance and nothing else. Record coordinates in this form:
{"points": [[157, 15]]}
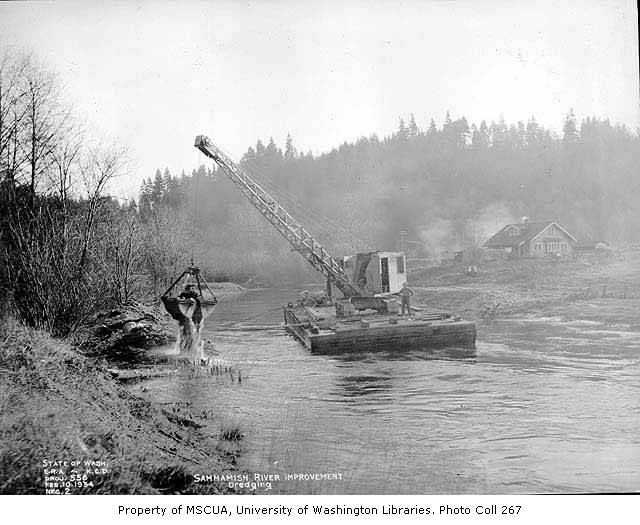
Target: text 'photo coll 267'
{"points": [[343, 249]]}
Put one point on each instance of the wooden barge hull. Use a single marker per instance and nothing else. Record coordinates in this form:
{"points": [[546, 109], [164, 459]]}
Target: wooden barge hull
{"points": [[378, 333]]}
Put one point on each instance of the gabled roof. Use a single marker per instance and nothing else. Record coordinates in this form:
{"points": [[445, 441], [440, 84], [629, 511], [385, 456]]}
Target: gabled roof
{"points": [[526, 231]]}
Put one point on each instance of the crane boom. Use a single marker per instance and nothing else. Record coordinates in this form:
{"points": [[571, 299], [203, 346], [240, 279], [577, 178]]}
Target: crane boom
{"points": [[280, 219]]}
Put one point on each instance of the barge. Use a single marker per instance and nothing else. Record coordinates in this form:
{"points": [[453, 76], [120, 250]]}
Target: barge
{"points": [[320, 330]]}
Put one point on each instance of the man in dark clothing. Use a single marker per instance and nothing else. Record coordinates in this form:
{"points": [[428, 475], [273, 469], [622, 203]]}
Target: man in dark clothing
{"points": [[405, 295]]}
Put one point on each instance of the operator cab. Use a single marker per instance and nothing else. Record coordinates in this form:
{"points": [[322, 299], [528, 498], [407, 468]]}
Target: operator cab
{"points": [[376, 273]]}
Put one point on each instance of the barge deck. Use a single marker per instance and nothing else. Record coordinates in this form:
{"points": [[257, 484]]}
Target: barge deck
{"points": [[320, 330]]}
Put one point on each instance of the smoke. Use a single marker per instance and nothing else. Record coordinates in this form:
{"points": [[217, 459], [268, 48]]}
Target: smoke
{"points": [[439, 236], [488, 222]]}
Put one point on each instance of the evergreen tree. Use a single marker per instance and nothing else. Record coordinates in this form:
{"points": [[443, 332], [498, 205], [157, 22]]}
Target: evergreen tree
{"points": [[146, 192], [166, 182], [290, 152], [413, 130], [485, 135], [433, 129], [260, 149], [498, 132], [570, 130], [249, 157], [158, 188], [480, 139], [533, 132], [462, 133], [403, 132], [447, 122]]}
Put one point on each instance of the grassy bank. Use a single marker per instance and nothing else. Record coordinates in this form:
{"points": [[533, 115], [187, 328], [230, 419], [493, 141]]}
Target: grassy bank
{"points": [[597, 289], [57, 404]]}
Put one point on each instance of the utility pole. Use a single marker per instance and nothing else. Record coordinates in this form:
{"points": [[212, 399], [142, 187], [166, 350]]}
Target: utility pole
{"points": [[403, 236]]}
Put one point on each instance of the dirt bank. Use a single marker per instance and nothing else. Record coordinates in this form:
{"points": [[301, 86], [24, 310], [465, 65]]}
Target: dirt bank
{"points": [[611, 287], [124, 335], [58, 405], [59, 401]]}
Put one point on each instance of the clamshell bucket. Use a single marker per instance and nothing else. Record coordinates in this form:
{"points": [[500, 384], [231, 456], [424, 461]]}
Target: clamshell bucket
{"points": [[194, 309], [190, 305]]}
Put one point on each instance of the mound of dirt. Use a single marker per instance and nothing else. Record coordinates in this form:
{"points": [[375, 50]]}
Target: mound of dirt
{"points": [[126, 333]]}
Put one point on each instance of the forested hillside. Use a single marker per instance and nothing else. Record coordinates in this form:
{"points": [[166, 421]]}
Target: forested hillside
{"points": [[449, 187]]}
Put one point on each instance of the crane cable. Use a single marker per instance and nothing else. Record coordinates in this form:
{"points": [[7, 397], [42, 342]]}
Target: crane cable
{"points": [[195, 214], [279, 192], [305, 210], [331, 230], [313, 216], [308, 212]]}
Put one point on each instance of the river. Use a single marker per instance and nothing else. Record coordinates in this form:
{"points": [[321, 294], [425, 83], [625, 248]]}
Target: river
{"points": [[542, 405]]}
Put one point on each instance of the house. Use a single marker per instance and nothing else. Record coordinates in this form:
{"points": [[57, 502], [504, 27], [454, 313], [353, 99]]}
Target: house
{"points": [[533, 239]]}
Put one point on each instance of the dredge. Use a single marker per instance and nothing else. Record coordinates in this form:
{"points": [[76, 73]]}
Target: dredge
{"points": [[365, 314]]}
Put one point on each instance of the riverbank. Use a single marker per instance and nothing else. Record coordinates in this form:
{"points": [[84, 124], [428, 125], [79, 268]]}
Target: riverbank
{"points": [[589, 288], [62, 402]]}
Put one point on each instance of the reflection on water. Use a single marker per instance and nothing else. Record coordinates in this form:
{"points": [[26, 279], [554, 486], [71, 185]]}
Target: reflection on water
{"points": [[412, 354], [542, 405], [358, 385]]}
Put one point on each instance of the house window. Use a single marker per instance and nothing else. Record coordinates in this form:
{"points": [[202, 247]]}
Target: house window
{"points": [[553, 247], [514, 232], [538, 246], [400, 264]]}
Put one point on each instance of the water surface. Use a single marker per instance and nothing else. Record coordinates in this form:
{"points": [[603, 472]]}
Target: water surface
{"points": [[542, 405]]}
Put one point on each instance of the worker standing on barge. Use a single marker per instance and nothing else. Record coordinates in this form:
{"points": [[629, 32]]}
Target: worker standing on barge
{"points": [[405, 295]]}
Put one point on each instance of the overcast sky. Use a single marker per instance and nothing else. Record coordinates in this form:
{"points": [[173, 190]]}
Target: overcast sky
{"points": [[155, 74]]}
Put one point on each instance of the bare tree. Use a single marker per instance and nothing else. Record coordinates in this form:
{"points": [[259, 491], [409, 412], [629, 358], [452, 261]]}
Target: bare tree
{"points": [[65, 170], [123, 253], [45, 120], [100, 165], [167, 245], [12, 112]]}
